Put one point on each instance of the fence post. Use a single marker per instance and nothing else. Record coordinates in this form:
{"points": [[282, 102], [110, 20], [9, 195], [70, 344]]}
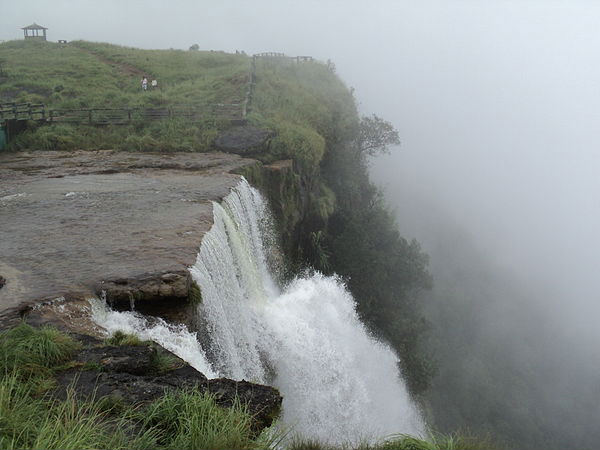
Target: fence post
{"points": [[90, 116], [129, 115], [51, 115]]}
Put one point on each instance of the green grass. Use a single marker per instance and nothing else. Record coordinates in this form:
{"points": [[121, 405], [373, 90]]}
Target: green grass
{"points": [[183, 420], [306, 104], [73, 76], [434, 441], [191, 420], [27, 421], [93, 75], [60, 77], [25, 348], [163, 361], [119, 338], [185, 78]]}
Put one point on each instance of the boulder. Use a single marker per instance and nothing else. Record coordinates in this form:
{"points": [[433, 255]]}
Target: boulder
{"points": [[129, 374], [244, 140]]}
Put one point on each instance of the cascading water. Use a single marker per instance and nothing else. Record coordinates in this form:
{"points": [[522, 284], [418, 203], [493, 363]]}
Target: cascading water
{"points": [[338, 383], [175, 338]]}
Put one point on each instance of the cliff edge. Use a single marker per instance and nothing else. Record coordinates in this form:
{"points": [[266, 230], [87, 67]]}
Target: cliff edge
{"points": [[78, 223]]}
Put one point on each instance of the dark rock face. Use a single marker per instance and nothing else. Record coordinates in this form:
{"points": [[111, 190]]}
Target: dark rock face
{"points": [[243, 140], [164, 295], [128, 373], [135, 360], [127, 387], [264, 402]]}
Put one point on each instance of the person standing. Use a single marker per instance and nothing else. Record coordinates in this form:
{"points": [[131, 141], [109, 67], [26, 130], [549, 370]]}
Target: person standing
{"points": [[144, 84]]}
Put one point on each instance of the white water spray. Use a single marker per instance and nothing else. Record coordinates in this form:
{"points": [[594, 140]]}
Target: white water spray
{"points": [[338, 383], [175, 338]]}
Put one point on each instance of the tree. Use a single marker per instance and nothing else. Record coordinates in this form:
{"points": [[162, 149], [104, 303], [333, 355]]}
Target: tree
{"points": [[375, 135], [195, 47]]}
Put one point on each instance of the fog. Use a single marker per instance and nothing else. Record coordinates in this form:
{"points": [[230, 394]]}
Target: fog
{"points": [[497, 104]]}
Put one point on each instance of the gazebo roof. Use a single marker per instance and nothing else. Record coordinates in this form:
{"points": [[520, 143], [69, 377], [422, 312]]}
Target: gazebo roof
{"points": [[34, 26]]}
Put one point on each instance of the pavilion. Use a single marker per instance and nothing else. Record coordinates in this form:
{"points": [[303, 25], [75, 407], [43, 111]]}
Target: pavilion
{"points": [[35, 31]]}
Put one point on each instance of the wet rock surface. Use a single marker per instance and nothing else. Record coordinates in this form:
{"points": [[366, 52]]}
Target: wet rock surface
{"points": [[129, 374], [135, 360], [76, 223]]}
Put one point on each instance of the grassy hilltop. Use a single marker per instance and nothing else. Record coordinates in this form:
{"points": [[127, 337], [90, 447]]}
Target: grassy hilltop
{"points": [[90, 75], [297, 101], [84, 74]]}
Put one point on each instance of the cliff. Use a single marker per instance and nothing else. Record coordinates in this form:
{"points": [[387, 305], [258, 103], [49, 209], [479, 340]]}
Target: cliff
{"points": [[148, 212]]}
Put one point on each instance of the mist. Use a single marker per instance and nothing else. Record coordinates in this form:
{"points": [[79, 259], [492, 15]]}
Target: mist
{"points": [[497, 105]]}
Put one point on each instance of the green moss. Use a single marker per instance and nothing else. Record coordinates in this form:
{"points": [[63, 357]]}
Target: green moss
{"points": [[194, 294], [253, 173]]}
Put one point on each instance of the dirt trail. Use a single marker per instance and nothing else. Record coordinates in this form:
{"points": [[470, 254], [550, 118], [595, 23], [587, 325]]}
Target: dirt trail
{"points": [[124, 68]]}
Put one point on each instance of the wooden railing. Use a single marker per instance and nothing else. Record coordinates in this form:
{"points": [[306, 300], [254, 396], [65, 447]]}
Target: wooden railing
{"points": [[122, 116], [276, 55], [117, 116], [22, 111]]}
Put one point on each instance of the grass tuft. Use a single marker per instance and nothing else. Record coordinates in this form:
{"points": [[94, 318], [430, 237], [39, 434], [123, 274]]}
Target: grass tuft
{"points": [[120, 338], [192, 420], [34, 350]]}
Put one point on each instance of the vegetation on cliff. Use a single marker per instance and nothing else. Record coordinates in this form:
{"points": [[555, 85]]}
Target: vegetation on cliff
{"points": [[345, 226]]}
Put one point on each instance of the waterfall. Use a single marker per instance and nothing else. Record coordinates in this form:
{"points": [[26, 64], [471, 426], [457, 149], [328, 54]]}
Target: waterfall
{"points": [[339, 384], [175, 338]]}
